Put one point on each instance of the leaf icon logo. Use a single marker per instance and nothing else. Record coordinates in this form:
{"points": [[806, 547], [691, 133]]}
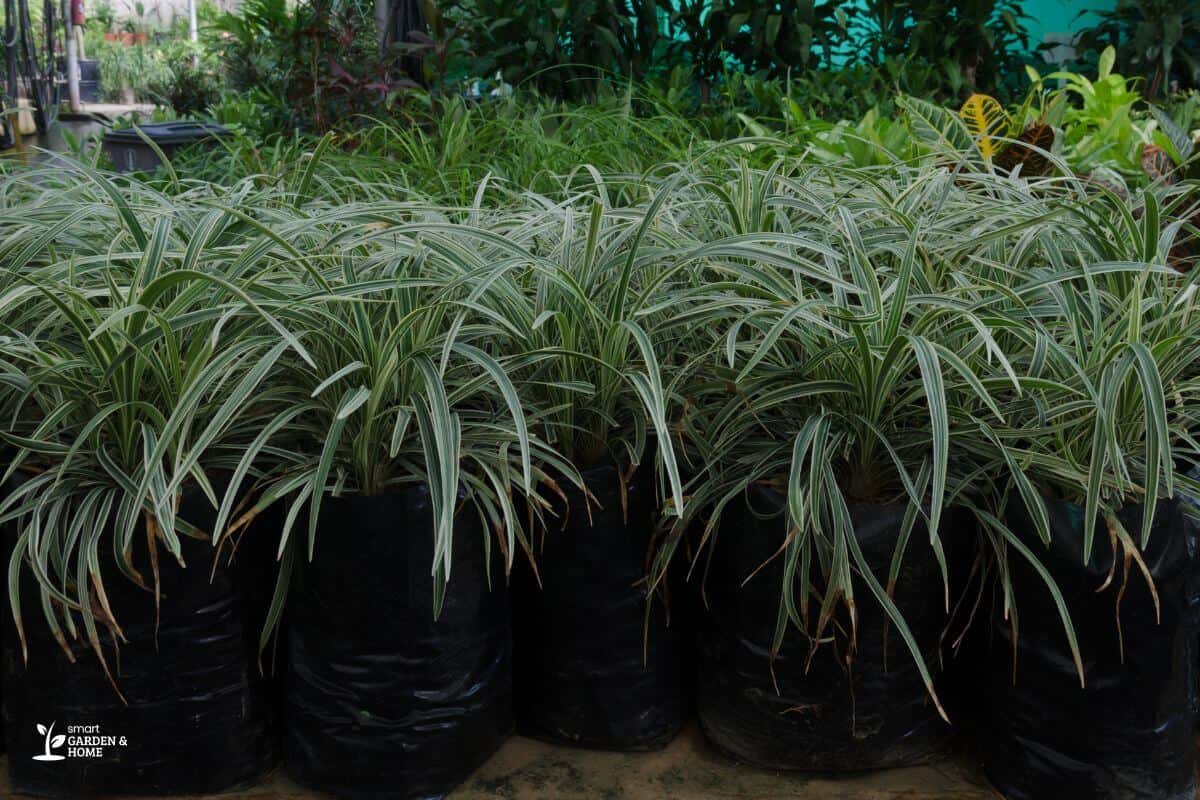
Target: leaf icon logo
{"points": [[51, 742]]}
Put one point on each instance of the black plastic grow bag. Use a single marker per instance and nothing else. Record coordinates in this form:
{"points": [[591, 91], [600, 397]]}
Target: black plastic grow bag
{"points": [[5, 551], [198, 717], [580, 673], [382, 700], [1129, 734], [825, 716]]}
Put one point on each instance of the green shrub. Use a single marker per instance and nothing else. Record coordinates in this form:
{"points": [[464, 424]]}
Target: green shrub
{"points": [[138, 69]]}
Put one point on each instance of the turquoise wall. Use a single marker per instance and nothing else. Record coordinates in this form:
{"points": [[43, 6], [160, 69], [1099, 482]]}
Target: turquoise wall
{"points": [[1060, 16], [1057, 16], [1043, 17]]}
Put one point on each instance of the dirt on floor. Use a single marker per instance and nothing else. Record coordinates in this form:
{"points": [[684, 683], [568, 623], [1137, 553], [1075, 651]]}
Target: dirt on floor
{"points": [[688, 769]]}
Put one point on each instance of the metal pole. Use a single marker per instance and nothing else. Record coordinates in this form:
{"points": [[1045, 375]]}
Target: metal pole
{"points": [[193, 30], [72, 64], [10, 49], [37, 95], [383, 22], [8, 45]]}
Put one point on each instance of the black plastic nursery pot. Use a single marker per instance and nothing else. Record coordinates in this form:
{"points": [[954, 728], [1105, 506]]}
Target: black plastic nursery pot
{"points": [[382, 700], [196, 715], [589, 671], [1129, 732], [89, 80], [129, 152], [825, 715]]}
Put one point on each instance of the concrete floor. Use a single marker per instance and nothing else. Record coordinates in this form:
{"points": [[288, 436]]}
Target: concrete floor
{"points": [[688, 769], [79, 127], [114, 110]]}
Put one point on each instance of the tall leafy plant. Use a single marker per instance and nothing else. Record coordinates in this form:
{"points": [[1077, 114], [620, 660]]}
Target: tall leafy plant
{"points": [[838, 391], [405, 380], [1155, 39], [564, 48], [977, 44], [763, 37], [311, 65]]}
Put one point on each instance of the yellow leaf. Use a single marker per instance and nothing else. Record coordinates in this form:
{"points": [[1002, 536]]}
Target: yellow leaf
{"points": [[986, 120]]}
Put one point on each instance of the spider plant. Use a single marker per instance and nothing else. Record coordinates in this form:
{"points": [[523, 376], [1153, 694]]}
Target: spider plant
{"points": [[125, 362], [407, 381], [836, 398], [523, 146], [588, 291], [912, 333], [1109, 345], [983, 347]]}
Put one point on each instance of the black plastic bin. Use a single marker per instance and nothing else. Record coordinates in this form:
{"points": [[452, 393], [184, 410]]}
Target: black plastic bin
{"points": [[89, 91], [89, 69], [129, 152], [89, 78]]}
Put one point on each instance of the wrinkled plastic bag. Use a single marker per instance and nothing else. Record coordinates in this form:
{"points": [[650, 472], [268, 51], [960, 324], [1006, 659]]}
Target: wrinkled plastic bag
{"points": [[1129, 733], [823, 716], [198, 717], [383, 701], [589, 672]]}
